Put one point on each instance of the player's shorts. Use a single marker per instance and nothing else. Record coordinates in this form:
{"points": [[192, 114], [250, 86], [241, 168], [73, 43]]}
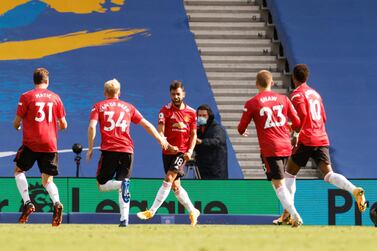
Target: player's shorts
{"points": [[114, 164], [319, 154], [274, 167], [47, 162], [174, 163]]}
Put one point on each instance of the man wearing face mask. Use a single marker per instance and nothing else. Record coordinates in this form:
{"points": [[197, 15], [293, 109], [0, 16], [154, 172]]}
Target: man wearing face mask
{"points": [[211, 150]]}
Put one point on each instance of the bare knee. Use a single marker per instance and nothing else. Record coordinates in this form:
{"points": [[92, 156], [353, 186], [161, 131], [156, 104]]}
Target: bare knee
{"points": [[325, 168], [46, 179], [292, 167], [17, 170]]}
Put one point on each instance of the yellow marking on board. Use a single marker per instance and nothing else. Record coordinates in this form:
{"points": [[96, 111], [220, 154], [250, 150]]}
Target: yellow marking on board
{"points": [[42, 47], [73, 6], [118, 2], [79, 6], [7, 5]]}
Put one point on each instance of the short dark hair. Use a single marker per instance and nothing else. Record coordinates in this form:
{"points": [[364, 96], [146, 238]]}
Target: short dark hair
{"points": [[175, 84], [301, 73], [206, 107], [40, 76]]}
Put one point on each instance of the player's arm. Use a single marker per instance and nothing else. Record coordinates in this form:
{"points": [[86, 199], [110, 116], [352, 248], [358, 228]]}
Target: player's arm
{"points": [[245, 120], [91, 136], [17, 122], [63, 124], [154, 133], [296, 123], [161, 128], [192, 143]]}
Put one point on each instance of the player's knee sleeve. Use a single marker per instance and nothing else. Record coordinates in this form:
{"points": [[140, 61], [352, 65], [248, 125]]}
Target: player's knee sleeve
{"points": [[327, 176]]}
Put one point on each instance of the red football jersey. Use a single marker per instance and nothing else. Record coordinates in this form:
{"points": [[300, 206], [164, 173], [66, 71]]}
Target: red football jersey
{"points": [[270, 112], [311, 111], [178, 125], [115, 117], [40, 109]]}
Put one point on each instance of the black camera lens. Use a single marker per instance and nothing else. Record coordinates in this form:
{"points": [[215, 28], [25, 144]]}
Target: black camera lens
{"points": [[77, 148]]}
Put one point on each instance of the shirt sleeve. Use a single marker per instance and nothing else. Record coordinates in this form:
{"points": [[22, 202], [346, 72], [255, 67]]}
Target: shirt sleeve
{"points": [[245, 119], [193, 124], [21, 108], [94, 113], [292, 115], [161, 116], [136, 116], [60, 108], [298, 102]]}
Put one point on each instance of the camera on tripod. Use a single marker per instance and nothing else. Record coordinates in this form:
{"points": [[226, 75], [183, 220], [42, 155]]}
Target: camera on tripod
{"points": [[77, 149]]}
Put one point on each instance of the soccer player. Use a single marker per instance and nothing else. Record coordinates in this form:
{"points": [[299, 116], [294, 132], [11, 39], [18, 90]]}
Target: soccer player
{"points": [[312, 141], [41, 112], [270, 112], [115, 117], [176, 122]]}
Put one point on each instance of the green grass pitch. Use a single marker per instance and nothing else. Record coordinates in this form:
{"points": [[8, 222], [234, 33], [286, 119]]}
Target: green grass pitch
{"points": [[70, 237]]}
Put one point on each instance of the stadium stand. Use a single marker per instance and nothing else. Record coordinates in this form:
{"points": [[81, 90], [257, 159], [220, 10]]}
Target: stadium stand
{"points": [[336, 39], [144, 44]]}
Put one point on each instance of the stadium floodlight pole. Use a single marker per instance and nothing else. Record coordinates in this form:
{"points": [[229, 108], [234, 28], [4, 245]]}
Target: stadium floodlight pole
{"points": [[77, 149]]}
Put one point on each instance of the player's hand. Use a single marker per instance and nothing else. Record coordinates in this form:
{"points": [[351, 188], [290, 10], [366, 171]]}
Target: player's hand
{"points": [[89, 154], [198, 141], [246, 133], [173, 149], [187, 155], [294, 142], [164, 143]]}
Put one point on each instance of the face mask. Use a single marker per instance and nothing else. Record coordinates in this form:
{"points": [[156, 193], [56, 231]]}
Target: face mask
{"points": [[202, 121]]}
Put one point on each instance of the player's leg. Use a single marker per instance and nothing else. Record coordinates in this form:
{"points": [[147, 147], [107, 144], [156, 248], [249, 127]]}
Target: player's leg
{"points": [[24, 161], [182, 196], [48, 165], [164, 190], [105, 172], [322, 158], [123, 174], [299, 158], [274, 169]]}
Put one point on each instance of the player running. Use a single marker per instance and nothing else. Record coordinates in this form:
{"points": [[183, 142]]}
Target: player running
{"points": [[115, 117], [176, 122], [41, 112], [312, 141], [270, 112]]}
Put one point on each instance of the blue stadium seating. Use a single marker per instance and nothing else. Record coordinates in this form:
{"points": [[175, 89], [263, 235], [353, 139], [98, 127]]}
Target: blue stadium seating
{"points": [[336, 39], [145, 64]]}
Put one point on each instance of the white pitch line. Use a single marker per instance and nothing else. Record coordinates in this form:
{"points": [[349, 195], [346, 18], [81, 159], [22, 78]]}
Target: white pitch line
{"points": [[9, 153]]}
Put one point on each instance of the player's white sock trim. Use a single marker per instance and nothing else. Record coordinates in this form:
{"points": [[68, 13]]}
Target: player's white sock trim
{"points": [[290, 183], [124, 208], [110, 185], [52, 190], [22, 186], [161, 196], [184, 199], [340, 181], [286, 200]]}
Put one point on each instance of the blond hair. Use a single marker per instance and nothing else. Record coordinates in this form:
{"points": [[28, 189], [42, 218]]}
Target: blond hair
{"points": [[264, 78], [112, 87]]}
